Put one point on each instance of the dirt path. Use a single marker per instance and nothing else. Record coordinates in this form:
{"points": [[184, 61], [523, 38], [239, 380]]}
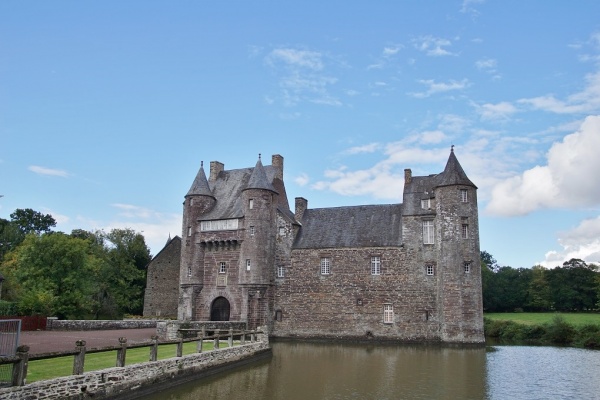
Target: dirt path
{"points": [[50, 341]]}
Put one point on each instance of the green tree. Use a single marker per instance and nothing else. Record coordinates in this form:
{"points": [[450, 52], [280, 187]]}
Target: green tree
{"points": [[573, 286], [10, 236], [539, 290], [122, 280], [52, 274], [30, 221]]}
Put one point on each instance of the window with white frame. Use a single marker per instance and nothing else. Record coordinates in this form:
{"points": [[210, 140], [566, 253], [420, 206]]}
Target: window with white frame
{"points": [[189, 271], [467, 267], [281, 231], [375, 265], [189, 231], [429, 269], [251, 203], [247, 264], [465, 231], [426, 204], [428, 233], [222, 267], [388, 314], [280, 271], [252, 231], [325, 266], [464, 195]]}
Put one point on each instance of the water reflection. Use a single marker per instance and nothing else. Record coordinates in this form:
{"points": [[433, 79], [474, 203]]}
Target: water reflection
{"points": [[319, 371]]}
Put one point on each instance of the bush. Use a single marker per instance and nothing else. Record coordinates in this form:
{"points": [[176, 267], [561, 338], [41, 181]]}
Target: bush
{"points": [[589, 336], [559, 331], [8, 308]]}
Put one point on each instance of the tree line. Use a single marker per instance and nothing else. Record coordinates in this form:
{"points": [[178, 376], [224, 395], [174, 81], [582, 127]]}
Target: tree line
{"points": [[574, 286], [81, 275]]}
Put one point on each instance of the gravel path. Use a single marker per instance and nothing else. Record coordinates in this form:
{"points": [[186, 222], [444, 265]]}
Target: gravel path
{"points": [[51, 341]]}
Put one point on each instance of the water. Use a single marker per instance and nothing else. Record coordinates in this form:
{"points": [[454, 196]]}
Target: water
{"points": [[343, 371]]}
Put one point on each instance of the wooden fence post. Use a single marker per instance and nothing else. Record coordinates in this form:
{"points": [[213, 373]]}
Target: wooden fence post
{"points": [[154, 348], [216, 342], [121, 353], [79, 358], [19, 372], [180, 347]]}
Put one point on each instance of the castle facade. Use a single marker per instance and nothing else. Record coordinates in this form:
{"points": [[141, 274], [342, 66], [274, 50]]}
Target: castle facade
{"points": [[404, 272]]}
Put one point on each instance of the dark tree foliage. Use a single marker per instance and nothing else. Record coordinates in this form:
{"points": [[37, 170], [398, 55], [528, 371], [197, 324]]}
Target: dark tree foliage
{"points": [[30, 221]]}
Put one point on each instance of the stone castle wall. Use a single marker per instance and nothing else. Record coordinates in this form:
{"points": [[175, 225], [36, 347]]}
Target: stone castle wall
{"points": [[162, 282]]}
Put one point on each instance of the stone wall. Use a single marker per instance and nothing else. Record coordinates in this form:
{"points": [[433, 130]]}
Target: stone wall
{"points": [[133, 380], [169, 330], [90, 325], [162, 282]]}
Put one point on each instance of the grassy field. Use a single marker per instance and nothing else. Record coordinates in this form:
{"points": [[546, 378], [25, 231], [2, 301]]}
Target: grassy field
{"points": [[63, 366], [576, 319]]}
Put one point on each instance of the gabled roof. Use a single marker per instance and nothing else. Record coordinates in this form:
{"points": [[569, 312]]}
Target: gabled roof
{"points": [[356, 226], [200, 184]]}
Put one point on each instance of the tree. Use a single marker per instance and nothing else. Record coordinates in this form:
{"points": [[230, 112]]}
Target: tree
{"points": [[53, 274], [10, 236], [539, 290], [30, 221], [488, 260]]}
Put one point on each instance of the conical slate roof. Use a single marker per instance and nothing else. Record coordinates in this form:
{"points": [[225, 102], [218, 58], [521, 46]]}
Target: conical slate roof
{"points": [[200, 186], [453, 173], [258, 179]]}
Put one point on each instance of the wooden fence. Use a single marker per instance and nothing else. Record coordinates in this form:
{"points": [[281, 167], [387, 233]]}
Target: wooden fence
{"points": [[21, 359], [30, 323]]}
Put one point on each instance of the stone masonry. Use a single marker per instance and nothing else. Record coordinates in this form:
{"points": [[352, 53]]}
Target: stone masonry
{"points": [[398, 272]]}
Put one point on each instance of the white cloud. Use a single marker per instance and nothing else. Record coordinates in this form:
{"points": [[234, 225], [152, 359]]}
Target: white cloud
{"points": [[497, 111], [302, 179], [440, 87], [585, 101], [367, 148], [297, 58], [48, 171], [391, 51], [569, 179], [433, 46], [582, 242]]}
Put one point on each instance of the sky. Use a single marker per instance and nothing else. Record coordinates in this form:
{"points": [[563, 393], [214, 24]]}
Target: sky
{"points": [[107, 109]]}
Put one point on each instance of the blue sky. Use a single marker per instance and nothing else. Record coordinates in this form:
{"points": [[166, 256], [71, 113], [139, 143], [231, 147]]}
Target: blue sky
{"points": [[108, 108]]}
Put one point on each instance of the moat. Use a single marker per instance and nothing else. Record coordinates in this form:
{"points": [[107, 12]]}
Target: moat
{"points": [[354, 371]]}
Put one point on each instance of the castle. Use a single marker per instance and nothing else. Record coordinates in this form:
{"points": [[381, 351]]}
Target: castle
{"points": [[404, 272]]}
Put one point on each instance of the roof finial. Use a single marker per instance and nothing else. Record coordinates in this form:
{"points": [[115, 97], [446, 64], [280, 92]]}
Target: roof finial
{"points": [[201, 164], [259, 156], [452, 149]]}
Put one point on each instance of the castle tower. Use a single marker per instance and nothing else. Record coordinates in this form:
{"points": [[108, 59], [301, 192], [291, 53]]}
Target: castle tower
{"points": [[198, 201], [257, 258], [458, 262]]}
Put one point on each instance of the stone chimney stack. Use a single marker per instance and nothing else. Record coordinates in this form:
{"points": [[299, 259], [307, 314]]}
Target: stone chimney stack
{"points": [[215, 168], [301, 206], [277, 162], [407, 176]]}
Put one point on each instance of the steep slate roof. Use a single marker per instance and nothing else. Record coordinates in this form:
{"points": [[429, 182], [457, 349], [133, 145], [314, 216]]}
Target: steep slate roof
{"points": [[259, 180], [200, 184], [228, 187], [356, 226], [453, 173]]}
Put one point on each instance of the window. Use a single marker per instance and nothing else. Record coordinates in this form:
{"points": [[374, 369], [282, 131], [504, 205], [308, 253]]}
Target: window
{"points": [[467, 267], [189, 271], [464, 197], [465, 231], [189, 231], [429, 270], [251, 203], [375, 265], [426, 204], [251, 231], [325, 266], [388, 314], [247, 264], [280, 271], [278, 315], [219, 225], [281, 231], [222, 268], [428, 232]]}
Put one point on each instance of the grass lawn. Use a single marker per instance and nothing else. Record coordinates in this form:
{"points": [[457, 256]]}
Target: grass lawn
{"points": [[541, 318], [63, 366]]}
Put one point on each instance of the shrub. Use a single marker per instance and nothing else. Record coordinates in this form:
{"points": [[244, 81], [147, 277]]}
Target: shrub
{"points": [[8, 308], [559, 331], [588, 336]]}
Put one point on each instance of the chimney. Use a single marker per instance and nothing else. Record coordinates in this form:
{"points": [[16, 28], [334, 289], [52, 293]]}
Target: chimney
{"points": [[215, 168], [407, 176], [277, 163], [301, 206]]}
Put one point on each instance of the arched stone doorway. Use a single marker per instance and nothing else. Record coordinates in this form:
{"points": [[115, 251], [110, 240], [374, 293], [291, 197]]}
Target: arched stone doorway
{"points": [[219, 310]]}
